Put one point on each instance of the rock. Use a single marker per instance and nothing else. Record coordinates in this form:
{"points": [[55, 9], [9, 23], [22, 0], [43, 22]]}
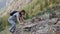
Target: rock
{"points": [[48, 32], [36, 19], [43, 29], [29, 27], [53, 21], [45, 16], [56, 28], [58, 13], [58, 23], [58, 19], [53, 15]]}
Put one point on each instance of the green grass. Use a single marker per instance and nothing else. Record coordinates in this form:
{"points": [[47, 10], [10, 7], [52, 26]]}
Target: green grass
{"points": [[37, 6], [6, 31]]}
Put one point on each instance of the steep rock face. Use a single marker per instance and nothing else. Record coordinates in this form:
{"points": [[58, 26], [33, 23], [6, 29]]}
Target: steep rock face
{"points": [[3, 5], [15, 4]]}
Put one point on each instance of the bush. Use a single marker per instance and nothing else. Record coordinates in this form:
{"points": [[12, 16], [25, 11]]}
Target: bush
{"points": [[3, 22], [37, 6], [2, 25]]}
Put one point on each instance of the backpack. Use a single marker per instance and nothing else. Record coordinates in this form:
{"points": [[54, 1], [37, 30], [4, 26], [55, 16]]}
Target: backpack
{"points": [[13, 13]]}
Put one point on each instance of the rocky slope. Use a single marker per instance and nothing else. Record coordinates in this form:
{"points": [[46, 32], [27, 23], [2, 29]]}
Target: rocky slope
{"points": [[3, 5], [44, 24], [47, 23]]}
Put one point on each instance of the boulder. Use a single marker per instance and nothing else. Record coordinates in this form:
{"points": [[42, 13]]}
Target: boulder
{"points": [[45, 16], [53, 21], [58, 23], [56, 28], [45, 32], [44, 29]]}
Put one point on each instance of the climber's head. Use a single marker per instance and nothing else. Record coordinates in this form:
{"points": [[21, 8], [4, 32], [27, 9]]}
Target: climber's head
{"points": [[22, 12]]}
